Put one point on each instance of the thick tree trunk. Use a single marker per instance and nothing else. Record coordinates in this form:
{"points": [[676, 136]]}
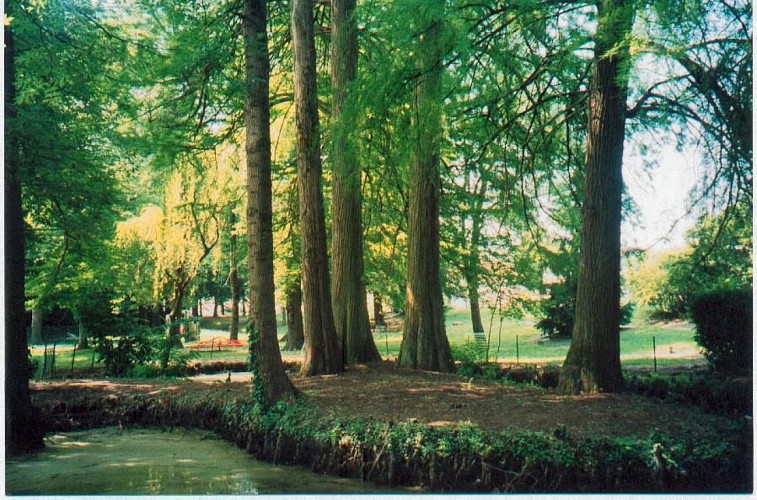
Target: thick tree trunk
{"points": [[36, 329], [593, 360], [215, 307], [234, 284], [424, 340], [271, 383], [83, 340], [23, 428], [348, 291], [322, 353], [295, 333]]}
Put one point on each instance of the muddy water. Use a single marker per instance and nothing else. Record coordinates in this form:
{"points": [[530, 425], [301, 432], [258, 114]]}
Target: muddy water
{"points": [[148, 461]]}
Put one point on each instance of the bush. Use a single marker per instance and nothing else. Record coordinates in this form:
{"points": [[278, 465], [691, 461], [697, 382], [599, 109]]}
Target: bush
{"points": [[729, 397], [559, 311], [144, 352], [723, 321]]}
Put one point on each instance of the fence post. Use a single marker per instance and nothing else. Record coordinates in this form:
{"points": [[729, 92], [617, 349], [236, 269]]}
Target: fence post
{"points": [[52, 367], [517, 350], [73, 358], [654, 352]]}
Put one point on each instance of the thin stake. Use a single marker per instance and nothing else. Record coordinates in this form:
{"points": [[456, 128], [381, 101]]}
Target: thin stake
{"points": [[654, 352], [517, 349], [386, 339], [93, 360], [212, 346], [52, 367], [73, 358]]}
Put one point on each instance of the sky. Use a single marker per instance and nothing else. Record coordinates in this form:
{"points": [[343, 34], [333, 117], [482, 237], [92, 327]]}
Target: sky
{"points": [[661, 195]]}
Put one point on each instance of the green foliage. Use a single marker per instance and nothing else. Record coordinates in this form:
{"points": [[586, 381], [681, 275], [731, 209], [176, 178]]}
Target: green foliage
{"points": [[409, 453], [142, 352], [123, 352], [720, 257], [471, 358], [559, 311], [724, 328], [719, 395]]}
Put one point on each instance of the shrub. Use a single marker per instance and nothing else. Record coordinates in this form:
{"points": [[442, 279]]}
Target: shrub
{"points": [[723, 322], [144, 352], [559, 311]]}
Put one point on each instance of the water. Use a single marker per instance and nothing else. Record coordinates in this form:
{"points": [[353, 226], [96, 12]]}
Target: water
{"points": [[148, 461]]}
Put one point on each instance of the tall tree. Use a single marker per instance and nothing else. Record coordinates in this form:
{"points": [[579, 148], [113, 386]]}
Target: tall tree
{"points": [[593, 360], [322, 353], [348, 289], [23, 429], [424, 341], [271, 383]]}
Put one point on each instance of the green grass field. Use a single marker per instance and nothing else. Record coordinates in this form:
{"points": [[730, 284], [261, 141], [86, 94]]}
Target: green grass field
{"points": [[509, 341]]}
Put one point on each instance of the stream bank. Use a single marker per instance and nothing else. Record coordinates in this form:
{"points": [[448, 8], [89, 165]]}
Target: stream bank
{"points": [[460, 458]]}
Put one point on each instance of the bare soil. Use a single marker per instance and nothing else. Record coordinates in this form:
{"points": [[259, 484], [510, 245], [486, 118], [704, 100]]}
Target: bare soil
{"points": [[384, 392]]}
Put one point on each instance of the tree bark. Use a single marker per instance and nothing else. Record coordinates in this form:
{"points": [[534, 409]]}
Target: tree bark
{"points": [[322, 353], [593, 360], [424, 340], [348, 291], [234, 284], [271, 383], [36, 329], [23, 427], [378, 310], [295, 333], [473, 264], [83, 340]]}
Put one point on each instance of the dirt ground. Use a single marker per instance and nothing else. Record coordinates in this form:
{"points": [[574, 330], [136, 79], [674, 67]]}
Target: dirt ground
{"points": [[384, 392]]}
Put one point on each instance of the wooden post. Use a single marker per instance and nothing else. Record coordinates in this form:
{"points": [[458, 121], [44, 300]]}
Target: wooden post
{"points": [[52, 366], [654, 352], [517, 350], [73, 358]]}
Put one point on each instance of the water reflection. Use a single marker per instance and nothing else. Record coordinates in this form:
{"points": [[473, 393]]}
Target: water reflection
{"points": [[148, 461]]}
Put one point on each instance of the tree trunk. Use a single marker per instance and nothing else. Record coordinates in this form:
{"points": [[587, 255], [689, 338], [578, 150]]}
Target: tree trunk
{"points": [[195, 309], [295, 334], [321, 351], [593, 360], [23, 427], [348, 291], [270, 382], [473, 264], [234, 284], [215, 307], [378, 310], [475, 307], [234, 326], [424, 340], [37, 317], [83, 341]]}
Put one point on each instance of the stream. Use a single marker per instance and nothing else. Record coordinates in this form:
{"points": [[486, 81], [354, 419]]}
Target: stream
{"points": [[113, 461]]}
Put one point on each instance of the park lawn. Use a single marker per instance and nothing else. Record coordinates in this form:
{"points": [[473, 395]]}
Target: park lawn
{"points": [[510, 341]]}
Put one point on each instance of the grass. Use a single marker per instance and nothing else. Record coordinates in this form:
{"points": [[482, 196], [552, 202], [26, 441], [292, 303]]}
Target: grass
{"points": [[510, 341]]}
